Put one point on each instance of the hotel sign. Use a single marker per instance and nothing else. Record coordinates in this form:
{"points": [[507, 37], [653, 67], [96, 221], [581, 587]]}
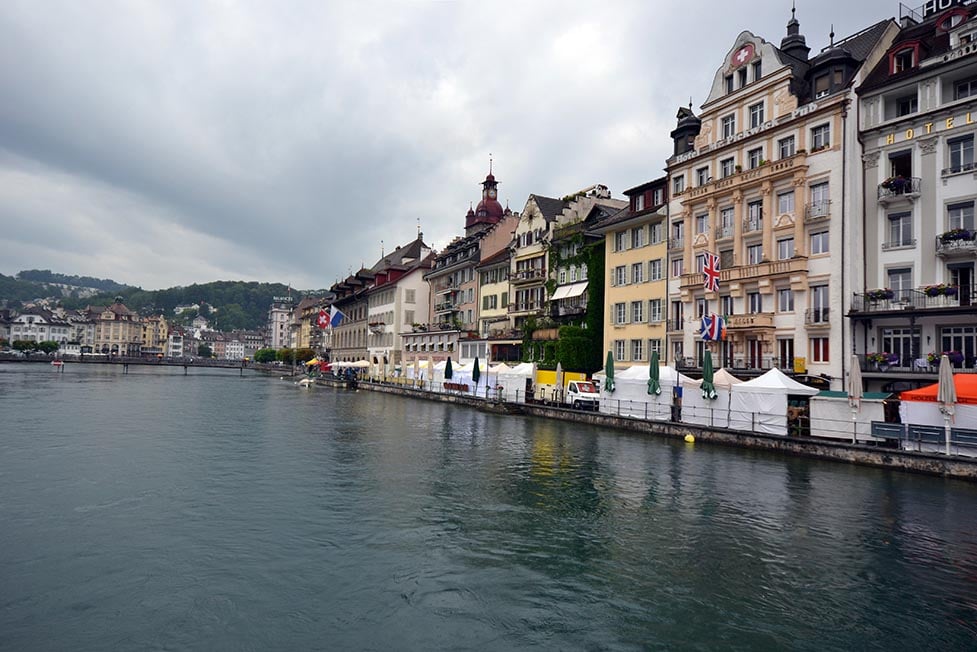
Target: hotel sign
{"points": [[929, 128], [769, 124], [934, 7]]}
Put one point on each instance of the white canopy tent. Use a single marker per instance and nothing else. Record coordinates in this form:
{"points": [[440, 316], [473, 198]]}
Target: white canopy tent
{"points": [[630, 397], [513, 381], [760, 405], [708, 412]]}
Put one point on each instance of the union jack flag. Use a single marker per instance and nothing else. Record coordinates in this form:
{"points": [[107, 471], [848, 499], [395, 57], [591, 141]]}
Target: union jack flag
{"points": [[710, 271]]}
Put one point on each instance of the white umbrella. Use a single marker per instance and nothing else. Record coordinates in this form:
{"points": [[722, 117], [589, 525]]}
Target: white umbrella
{"points": [[559, 381], [855, 393], [946, 394]]}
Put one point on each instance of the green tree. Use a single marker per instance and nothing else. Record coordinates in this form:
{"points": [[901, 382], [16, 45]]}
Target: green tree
{"points": [[284, 355], [204, 351], [48, 346], [304, 355], [264, 355], [24, 345]]}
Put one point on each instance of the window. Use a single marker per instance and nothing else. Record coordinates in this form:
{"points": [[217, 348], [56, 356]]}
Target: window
{"points": [[655, 270], [822, 85], [900, 230], [678, 232], [785, 300], [701, 223], [637, 350], [754, 156], [725, 258], [655, 346], [678, 184], [786, 147], [638, 273], [678, 267], [658, 196], [654, 310], [900, 279], [727, 167], [820, 198], [741, 74], [620, 241], [620, 275], [410, 296], [903, 60], [639, 202], [757, 69], [637, 237], [961, 152], [820, 137], [729, 125], [785, 248], [819, 243], [702, 176], [728, 80], [573, 273], [965, 88], [726, 305], [960, 216], [620, 313], [619, 350], [700, 308], [725, 223], [656, 231], [754, 302], [756, 115], [906, 105], [819, 302], [754, 216], [785, 202], [637, 312], [819, 349], [562, 277], [754, 254]]}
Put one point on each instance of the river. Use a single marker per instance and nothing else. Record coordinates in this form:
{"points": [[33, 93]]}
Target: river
{"points": [[212, 512]]}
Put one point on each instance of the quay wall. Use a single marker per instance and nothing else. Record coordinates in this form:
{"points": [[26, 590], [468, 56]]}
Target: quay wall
{"points": [[888, 458]]}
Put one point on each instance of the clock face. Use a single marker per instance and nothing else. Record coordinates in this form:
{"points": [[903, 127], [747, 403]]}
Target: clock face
{"points": [[492, 193]]}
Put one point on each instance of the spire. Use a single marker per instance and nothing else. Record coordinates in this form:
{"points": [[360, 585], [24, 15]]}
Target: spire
{"points": [[794, 44], [832, 35]]}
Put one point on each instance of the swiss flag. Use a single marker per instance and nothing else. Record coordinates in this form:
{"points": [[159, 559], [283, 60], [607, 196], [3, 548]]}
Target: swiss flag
{"points": [[323, 320]]}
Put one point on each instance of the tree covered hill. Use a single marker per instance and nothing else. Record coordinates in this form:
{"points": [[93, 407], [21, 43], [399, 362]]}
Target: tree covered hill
{"points": [[48, 277]]}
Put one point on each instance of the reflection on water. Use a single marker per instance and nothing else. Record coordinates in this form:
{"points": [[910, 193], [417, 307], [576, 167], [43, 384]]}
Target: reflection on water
{"points": [[156, 510]]}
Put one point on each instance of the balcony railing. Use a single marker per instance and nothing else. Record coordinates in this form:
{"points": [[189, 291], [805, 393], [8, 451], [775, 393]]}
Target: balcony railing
{"points": [[675, 325], [817, 211], [957, 169], [447, 306], [724, 232], [750, 321], [527, 306], [817, 316], [528, 275], [760, 270], [751, 224], [676, 243], [893, 300], [917, 365], [904, 243], [896, 187]]}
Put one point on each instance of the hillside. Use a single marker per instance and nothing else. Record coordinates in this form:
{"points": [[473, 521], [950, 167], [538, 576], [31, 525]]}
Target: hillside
{"points": [[46, 276]]}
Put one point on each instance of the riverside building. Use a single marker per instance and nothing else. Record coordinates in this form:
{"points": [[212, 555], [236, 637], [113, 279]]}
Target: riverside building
{"points": [[761, 178], [914, 291]]}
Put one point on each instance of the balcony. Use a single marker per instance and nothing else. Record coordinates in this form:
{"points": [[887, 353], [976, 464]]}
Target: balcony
{"points": [[959, 169], [528, 306], [817, 211], [749, 322], [377, 327], [957, 243], [794, 265], [441, 288], [676, 243], [896, 188], [920, 365], [751, 224], [949, 299], [724, 232], [817, 317], [444, 306], [905, 243], [524, 276]]}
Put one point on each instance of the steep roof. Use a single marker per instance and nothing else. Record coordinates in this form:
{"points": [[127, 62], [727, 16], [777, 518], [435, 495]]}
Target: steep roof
{"points": [[549, 207]]}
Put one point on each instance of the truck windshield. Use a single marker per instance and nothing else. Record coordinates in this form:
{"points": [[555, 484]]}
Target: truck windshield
{"points": [[587, 388]]}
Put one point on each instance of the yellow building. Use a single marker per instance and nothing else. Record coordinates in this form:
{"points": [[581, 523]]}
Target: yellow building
{"points": [[155, 332], [635, 286], [118, 330]]}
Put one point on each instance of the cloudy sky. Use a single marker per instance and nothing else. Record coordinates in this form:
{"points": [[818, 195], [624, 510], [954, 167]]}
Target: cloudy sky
{"points": [[166, 143]]}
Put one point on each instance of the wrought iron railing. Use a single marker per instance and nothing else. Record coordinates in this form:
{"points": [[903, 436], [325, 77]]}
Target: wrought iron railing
{"points": [[899, 187]]}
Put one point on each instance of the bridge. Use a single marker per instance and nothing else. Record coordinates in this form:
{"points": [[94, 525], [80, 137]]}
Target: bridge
{"points": [[126, 361]]}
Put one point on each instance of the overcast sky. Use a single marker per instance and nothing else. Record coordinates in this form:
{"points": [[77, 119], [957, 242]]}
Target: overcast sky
{"points": [[166, 143]]}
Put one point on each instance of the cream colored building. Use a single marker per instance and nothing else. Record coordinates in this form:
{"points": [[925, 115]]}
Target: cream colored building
{"points": [[118, 331], [635, 285], [762, 177], [155, 333]]}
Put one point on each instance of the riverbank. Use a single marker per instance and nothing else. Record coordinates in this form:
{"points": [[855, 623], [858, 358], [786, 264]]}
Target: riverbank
{"points": [[962, 468]]}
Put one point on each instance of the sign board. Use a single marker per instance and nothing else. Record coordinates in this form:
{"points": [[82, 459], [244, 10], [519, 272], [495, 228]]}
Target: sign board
{"points": [[800, 365]]}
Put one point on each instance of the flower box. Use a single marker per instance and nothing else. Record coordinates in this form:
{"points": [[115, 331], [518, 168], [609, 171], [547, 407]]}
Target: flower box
{"points": [[941, 289], [880, 294], [957, 234], [882, 358]]}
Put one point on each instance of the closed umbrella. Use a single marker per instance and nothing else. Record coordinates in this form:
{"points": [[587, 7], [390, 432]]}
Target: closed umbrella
{"points": [[946, 395], [417, 369], [708, 385], [609, 372], [430, 368], [448, 373], [855, 393], [559, 381], [476, 375], [654, 375]]}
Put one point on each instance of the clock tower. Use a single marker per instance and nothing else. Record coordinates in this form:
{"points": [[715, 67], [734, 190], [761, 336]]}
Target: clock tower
{"points": [[489, 211]]}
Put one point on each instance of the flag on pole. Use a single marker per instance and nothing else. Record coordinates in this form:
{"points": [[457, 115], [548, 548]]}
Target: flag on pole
{"points": [[336, 317], [713, 328], [710, 271], [323, 320]]}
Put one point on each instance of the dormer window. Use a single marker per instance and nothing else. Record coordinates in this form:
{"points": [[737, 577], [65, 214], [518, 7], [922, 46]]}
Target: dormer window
{"points": [[639, 202], [822, 85], [904, 59], [951, 19]]}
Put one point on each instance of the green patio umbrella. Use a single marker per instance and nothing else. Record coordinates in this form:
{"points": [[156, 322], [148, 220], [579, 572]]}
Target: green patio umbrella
{"points": [[609, 372], [708, 387], [476, 374], [448, 373], [654, 371]]}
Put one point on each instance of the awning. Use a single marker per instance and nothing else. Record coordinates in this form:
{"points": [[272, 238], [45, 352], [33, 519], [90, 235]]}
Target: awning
{"points": [[576, 290], [561, 292]]}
